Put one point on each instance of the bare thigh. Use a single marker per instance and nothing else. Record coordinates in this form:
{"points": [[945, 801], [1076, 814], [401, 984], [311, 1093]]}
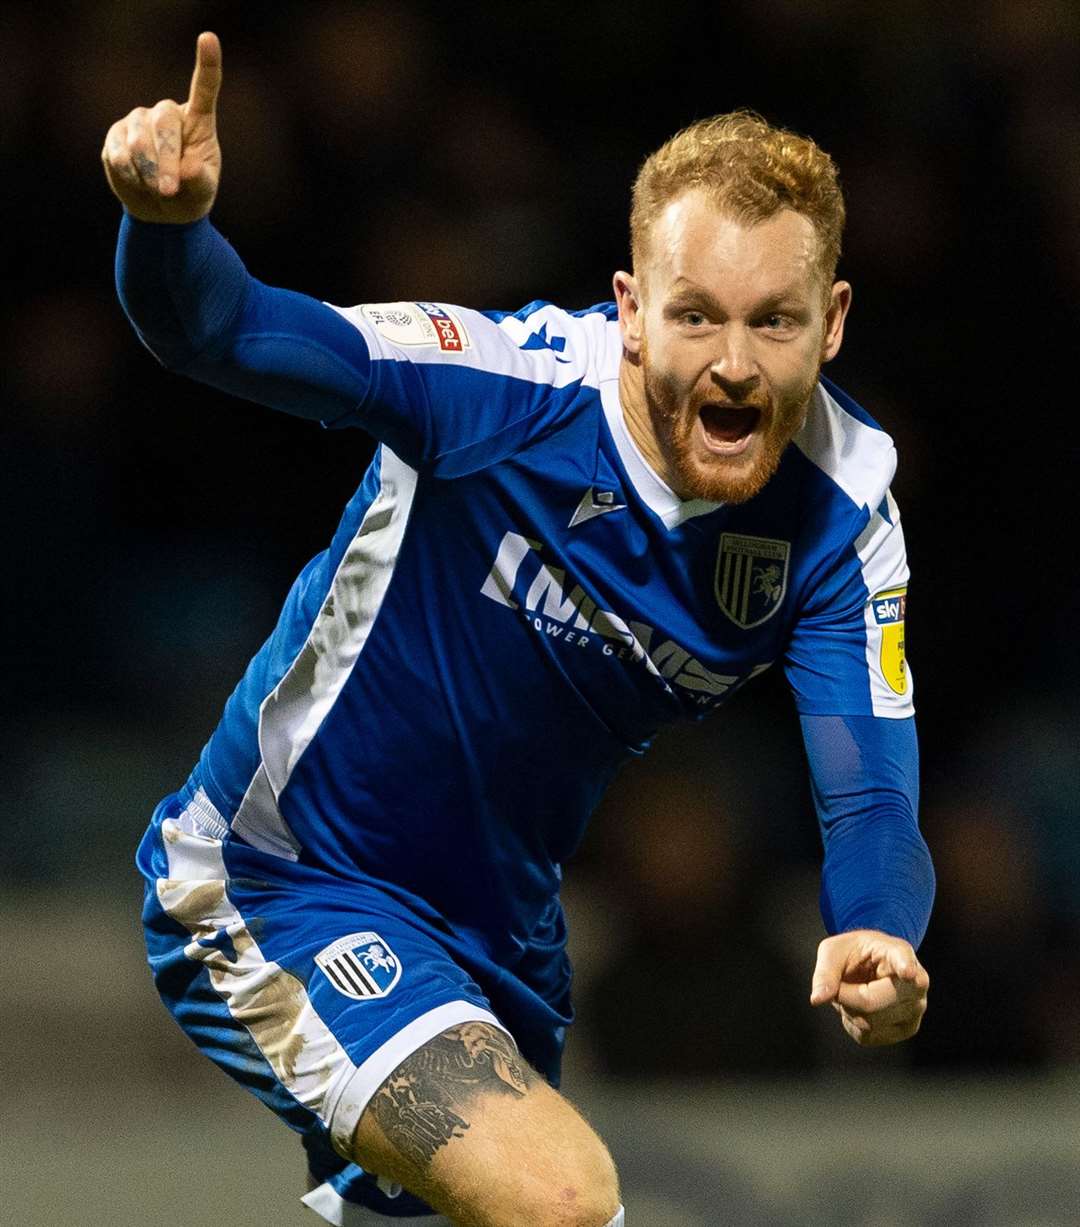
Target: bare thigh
{"points": [[468, 1125]]}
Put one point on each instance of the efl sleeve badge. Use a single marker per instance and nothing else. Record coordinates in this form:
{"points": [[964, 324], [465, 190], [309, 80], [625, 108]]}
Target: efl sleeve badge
{"points": [[418, 323], [889, 608]]}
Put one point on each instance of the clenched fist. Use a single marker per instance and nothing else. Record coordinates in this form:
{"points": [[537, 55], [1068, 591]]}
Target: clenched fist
{"points": [[164, 162], [875, 983]]}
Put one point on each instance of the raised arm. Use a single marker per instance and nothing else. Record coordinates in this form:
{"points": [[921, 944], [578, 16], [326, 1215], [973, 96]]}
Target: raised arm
{"points": [[449, 389], [186, 291], [164, 163]]}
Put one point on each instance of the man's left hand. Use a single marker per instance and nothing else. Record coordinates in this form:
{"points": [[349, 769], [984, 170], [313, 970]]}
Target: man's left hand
{"points": [[875, 983]]}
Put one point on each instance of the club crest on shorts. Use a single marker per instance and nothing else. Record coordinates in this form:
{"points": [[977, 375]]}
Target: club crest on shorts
{"points": [[751, 577], [361, 966]]}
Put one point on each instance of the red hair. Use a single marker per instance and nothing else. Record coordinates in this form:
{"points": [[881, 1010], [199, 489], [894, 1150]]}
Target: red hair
{"points": [[751, 171]]}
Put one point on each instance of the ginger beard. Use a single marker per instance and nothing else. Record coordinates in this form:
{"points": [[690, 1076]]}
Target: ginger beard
{"points": [[766, 423]]}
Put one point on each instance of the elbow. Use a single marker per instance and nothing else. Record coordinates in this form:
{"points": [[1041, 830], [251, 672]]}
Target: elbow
{"points": [[176, 355]]}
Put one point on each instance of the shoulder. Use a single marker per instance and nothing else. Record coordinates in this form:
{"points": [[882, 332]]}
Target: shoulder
{"points": [[457, 389], [571, 336], [541, 342], [844, 443]]}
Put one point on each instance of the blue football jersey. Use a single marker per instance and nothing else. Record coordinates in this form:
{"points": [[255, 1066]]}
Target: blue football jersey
{"points": [[368, 851], [514, 603]]}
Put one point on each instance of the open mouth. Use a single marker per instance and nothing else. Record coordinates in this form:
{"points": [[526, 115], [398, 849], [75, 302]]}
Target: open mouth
{"points": [[725, 425]]}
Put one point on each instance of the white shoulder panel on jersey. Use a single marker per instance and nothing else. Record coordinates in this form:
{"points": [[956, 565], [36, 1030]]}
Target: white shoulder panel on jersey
{"points": [[549, 346], [860, 459], [883, 558]]}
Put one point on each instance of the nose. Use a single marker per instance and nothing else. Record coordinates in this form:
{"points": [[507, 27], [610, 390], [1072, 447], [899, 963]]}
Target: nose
{"points": [[734, 367]]}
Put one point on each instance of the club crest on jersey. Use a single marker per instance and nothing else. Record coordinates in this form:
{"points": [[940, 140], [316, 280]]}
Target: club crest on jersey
{"points": [[751, 577], [889, 609], [418, 323], [361, 966]]}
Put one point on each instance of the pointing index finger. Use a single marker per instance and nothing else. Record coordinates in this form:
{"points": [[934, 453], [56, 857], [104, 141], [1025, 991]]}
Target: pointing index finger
{"points": [[206, 79]]}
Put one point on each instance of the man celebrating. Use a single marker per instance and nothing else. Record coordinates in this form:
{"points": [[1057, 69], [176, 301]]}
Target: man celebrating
{"points": [[577, 528]]}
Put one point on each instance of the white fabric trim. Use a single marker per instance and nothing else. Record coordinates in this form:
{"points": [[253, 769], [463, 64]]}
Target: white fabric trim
{"points": [[351, 1096], [328, 1202], [860, 459], [883, 558], [261, 823], [291, 714], [656, 494], [619, 1218], [202, 817], [495, 348], [269, 1002]]}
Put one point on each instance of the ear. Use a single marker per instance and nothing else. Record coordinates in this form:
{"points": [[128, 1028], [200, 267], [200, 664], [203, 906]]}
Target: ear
{"points": [[628, 300], [835, 315]]}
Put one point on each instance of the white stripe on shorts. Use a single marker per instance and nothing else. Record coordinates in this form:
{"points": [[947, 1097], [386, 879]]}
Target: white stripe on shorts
{"points": [[271, 1003], [268, 1001]]}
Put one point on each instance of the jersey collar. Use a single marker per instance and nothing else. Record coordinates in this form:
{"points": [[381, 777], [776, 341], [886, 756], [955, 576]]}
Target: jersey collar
{"points": [[654, 492]]}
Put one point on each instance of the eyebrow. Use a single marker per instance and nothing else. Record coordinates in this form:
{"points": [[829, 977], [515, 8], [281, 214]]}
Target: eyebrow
{"points": [[683, 288]]}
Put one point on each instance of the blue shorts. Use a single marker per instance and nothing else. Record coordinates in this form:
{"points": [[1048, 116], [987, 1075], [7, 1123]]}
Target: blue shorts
{"points": [[310, 988]]}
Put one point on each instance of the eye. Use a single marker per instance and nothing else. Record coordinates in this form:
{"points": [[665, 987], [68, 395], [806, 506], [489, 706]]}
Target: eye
{"points": [[777, 323], [694, 318]]}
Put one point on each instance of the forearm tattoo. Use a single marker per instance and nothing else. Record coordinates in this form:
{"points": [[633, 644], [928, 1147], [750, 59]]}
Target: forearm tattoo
{"points": [[428, 1099]]}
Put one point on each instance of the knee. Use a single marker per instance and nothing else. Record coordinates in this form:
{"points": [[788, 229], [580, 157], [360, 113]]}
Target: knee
{"points": [[519, 1155], [567, 1180], [581, 1191]]}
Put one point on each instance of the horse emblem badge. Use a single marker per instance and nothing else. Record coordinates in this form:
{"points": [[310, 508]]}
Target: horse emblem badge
{"points": [[361, 966], [751, 577]]}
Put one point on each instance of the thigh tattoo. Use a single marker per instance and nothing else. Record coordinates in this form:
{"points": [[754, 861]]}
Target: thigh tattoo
{"points": [[426, 1101]]}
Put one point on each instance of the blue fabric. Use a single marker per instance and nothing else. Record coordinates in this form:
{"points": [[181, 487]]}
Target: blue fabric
{"points": [[198, 310], [877, 872], [196, 306], [453, 683], [295, 912]]}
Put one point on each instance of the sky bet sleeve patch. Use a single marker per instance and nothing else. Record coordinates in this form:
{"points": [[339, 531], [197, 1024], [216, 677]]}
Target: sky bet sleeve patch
{"points": [[418, 323], [889, 609]]}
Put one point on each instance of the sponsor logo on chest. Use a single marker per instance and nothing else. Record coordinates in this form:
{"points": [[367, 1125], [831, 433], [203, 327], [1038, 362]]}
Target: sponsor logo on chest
{"points": [[561, 610]]}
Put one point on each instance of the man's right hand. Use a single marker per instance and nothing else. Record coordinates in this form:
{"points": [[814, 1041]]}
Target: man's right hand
{"points": [[164, 162]]}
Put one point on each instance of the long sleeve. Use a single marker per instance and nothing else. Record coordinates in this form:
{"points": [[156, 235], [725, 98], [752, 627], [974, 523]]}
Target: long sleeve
{"points": [[877, 872], [198, 310], [447, 388]]}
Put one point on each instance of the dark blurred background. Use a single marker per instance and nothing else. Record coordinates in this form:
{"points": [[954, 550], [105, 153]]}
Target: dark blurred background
{"points": [[483, 154]]}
